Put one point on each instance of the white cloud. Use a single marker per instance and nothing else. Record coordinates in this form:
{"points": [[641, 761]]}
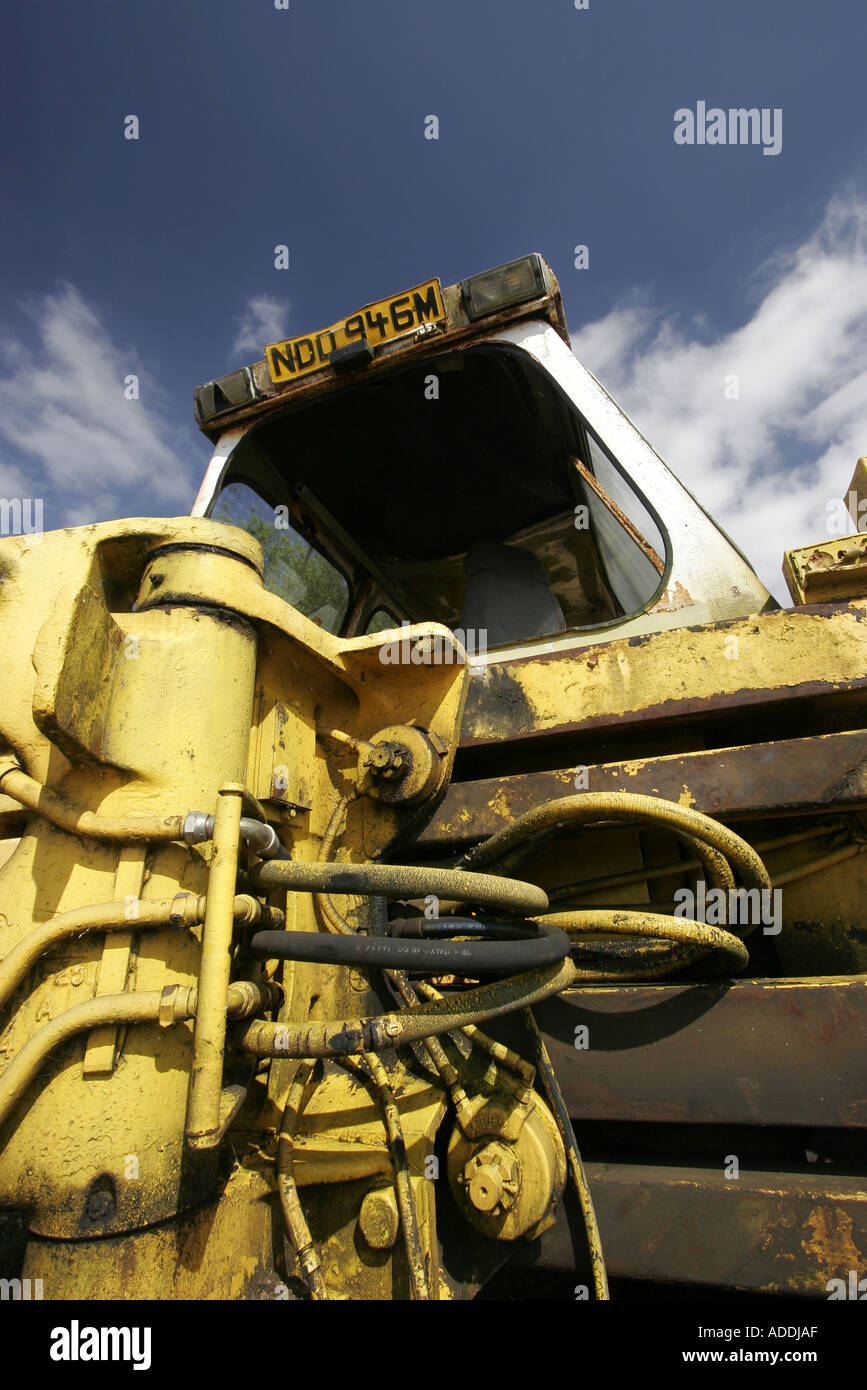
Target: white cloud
{"points": [[263, 321], [766, 464], [68, 433]]}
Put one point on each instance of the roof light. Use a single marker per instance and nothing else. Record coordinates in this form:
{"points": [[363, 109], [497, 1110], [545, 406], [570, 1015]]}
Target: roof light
{"points": [[512, 283], [227, 393]]}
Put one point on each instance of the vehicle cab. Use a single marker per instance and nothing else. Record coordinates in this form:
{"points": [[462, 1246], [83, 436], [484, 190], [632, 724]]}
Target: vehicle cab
{"points": [[442, 456]]}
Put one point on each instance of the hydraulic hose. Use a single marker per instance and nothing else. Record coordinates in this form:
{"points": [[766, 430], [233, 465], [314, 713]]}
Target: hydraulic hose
{"points": [[290, 1201], [432, 928], [402, 1179], [343, 1037], [713, 844], [573, 1154], [402, 881], [504, 1055], [592, 807], [733, 954], [542, 945]]}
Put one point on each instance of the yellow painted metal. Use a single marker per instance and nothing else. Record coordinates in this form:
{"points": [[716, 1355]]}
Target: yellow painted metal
{"points": [[206, 1078], [129, 704], [176, 720], [108, 1010], [786, 650], [78, 821], [856, 496], [827, 571], [173, 1005], [184, 910], [379, 1218], [222, 1249], [152, 675], [388, 318], [116, 957], [509, 1189]]}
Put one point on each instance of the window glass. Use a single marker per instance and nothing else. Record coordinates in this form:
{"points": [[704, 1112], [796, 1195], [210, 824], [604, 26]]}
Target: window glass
{"points": [[506, 461], [380, 619], [294, 570], [633, 563]]}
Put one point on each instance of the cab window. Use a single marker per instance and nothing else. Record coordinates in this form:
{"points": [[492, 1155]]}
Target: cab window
{"points": [[294, 569], [488, 507]]}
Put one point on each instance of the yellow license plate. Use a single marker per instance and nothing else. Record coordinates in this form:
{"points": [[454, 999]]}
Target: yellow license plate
{"points": [[377, 323]]}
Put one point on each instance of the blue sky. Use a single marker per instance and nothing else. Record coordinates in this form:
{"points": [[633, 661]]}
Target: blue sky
{"points": [[305, 126]]}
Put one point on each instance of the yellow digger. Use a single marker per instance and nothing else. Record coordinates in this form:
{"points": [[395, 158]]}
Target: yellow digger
{"points": [[433, 869]]}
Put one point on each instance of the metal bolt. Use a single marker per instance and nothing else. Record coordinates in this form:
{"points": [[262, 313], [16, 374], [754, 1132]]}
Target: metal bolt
{"points": [[485, 1188], [378, 1219], [390, 761], [491, 1179]]}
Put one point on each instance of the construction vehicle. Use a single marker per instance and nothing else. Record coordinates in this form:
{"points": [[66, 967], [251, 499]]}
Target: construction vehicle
{"points": [[434, 868]]}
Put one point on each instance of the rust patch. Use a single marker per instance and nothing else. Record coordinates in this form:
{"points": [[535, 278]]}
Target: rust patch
{"points": [[757, 779]]}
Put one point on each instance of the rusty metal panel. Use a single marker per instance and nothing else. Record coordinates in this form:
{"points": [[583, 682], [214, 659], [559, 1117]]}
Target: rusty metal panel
{"points": [[747, 781], [785, 1233], [768, 661], [782, 1052], [828, 571]]}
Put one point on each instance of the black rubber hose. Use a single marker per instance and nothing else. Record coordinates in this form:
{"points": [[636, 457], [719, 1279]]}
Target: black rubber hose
{"points": [[573, 1154], [548, 946], [486, 927]]}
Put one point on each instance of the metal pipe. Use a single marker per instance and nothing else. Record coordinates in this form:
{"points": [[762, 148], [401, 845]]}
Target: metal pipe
{"points": [[199, 826], [815, 866], [55, 808], [209, 1040], [111, 1009], [338, 736], [342, 1037], [186, 909], [193, 827], [402, 881], [779, 880], [102, 917], [582, 887], [171, 1005]]}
